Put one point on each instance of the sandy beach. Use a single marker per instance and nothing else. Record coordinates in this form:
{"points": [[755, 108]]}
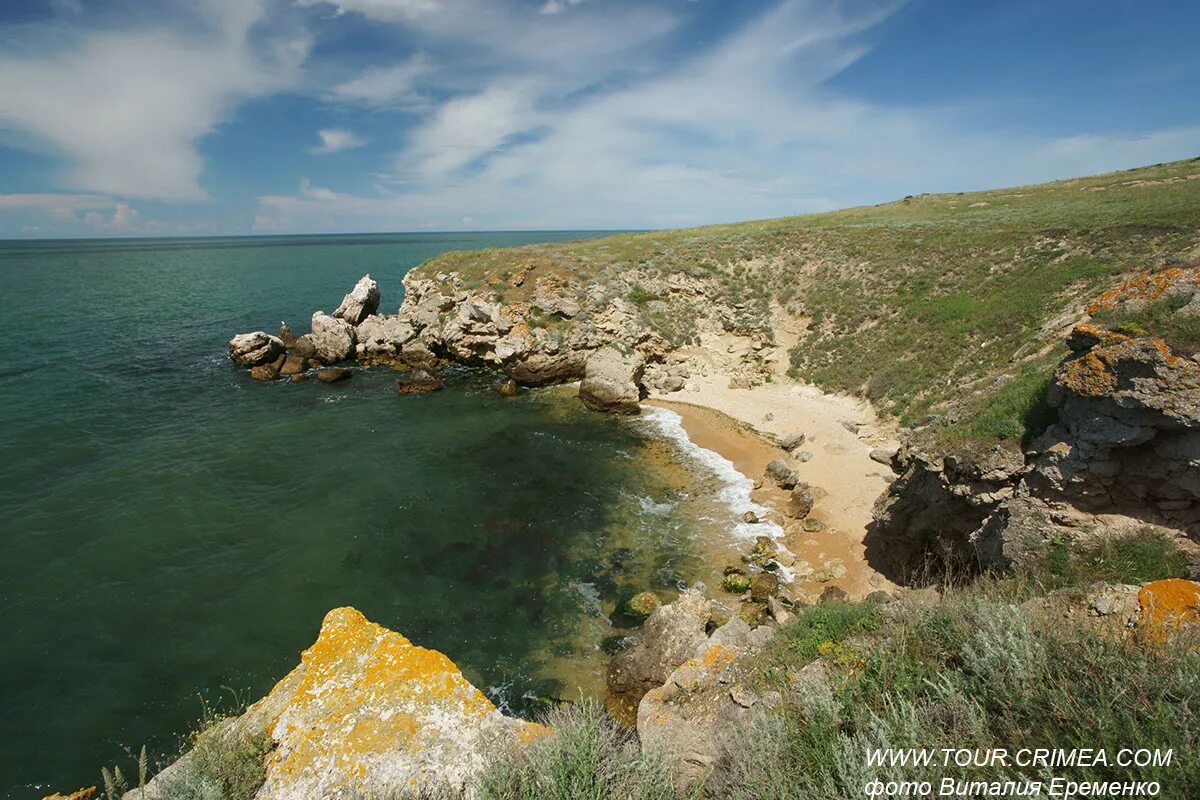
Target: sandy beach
{"points": [[744, 425]]}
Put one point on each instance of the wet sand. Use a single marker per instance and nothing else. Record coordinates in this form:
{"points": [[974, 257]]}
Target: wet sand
{"points": [[743, 426]]}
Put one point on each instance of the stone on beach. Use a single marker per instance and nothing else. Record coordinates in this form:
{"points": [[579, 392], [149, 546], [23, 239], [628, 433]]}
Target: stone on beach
{"points": [[781, 474], [791, 441], [360, 303], [612, 380]]}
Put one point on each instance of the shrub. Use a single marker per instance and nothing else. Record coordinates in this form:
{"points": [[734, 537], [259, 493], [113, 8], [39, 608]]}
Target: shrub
{"points": [[1137, 557]]}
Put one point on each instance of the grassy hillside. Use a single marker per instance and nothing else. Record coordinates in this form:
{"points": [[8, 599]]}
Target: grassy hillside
{"points": [[919, 304]]}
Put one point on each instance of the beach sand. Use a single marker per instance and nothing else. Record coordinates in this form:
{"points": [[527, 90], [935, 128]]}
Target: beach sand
{"points": [[743, 425]]}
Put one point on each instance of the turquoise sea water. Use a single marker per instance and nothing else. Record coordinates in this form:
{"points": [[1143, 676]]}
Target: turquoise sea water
{"points": [[171, 528]]}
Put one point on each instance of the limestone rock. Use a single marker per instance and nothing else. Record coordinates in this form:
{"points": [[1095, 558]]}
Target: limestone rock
{"points": [[792, 441], [612, 380], [883, 456], [367, 714], [419, 380], [332, 338], [801, 502], [360, 303], [252, 349], [781, 474], [383, 337], [333, 375], [669, 637]]}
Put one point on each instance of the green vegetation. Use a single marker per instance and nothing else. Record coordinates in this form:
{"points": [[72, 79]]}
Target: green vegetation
{"points": [[829, 624], [911, 303], [1015, 408], [590, 757], [1133, 558], [1165, 319]]}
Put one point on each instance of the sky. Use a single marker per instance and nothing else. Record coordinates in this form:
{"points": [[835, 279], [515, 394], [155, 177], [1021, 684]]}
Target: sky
{"points": [[212, 117]]}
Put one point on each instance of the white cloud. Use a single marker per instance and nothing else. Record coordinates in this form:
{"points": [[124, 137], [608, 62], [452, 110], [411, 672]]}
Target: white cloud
{"points": [[557, 6], [386, 10], [334, 140], [383, 87], [126, 108], [745, 128]]}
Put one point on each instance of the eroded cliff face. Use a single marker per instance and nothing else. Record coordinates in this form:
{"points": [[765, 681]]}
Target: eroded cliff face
{"points": [[365, 714], [1125, 450]]}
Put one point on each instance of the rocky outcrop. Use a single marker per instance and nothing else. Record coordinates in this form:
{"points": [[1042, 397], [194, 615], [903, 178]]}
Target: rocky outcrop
{"points": [[704, 702], [1128, 436], [332, 338], [931, 516], [360, 303], [252, 349], [383, 338], [612, 380], [366, 714], [1127, 442], [669, 637], [418, 380]]}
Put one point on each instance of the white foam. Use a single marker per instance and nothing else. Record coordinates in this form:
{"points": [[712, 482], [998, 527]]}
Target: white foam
{"points": [[647, 505], [736, 487]]}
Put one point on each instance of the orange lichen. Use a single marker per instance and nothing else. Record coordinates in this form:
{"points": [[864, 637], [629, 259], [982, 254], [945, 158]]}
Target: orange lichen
{"points": [[1097, 334], [82, 794], [1167, 605], [718, 656], [365, 692], [1147, 287], [1089, 375]]}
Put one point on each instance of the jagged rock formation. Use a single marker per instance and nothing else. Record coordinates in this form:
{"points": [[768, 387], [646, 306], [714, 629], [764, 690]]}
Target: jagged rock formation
{"points": [[365, 714], [252, 349], [360, 303], [1127, 442]]}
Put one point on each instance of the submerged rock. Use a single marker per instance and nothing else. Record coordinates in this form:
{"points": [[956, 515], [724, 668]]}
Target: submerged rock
{"points": [[252, 349], [417, 380], [507, 388], [366, 714], [333, 375], [641, 605], [612, 380], [360, 303]]}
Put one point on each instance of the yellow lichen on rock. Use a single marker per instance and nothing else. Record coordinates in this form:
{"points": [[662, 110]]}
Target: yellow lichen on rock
{"points": [[81, 794], [1167, 605], [369, 711], [1146, 288]]}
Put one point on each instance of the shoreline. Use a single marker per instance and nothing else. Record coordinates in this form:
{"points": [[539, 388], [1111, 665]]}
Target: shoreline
{"points": [[743, 425]]}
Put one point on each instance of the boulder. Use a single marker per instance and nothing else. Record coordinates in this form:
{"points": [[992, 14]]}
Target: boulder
{"points": [[612, 380], [383, 337], [781, 474], [669, 637], [763, 586], [252, 349], [293, 364], [418, 380], [360, 303], [883, 455], [792, 441], [800, 504], [697, 713], [641, 605], [736, 583], [333, 374], [507, 388], [332, 338], [366, 714]]}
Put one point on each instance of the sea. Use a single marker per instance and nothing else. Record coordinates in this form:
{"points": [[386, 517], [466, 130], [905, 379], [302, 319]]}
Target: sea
{"points": [[173, 532]]}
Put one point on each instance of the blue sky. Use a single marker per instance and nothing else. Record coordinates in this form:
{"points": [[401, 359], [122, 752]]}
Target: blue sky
{"points": [[126, 118]]}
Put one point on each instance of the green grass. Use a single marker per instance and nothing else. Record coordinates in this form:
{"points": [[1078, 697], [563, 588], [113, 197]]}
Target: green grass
{"points": [[1180, 330], [909, 301], [971, 672], [1016, 411], [1131, 558], [830, 623]]}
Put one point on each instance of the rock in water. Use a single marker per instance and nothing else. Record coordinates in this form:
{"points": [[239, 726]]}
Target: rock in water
{"points": [[612, 380], [508, 388], [333, 375], [367, 714], [642, 605], [361, 303], [332, 338], [252, 349], [420, 379]]}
